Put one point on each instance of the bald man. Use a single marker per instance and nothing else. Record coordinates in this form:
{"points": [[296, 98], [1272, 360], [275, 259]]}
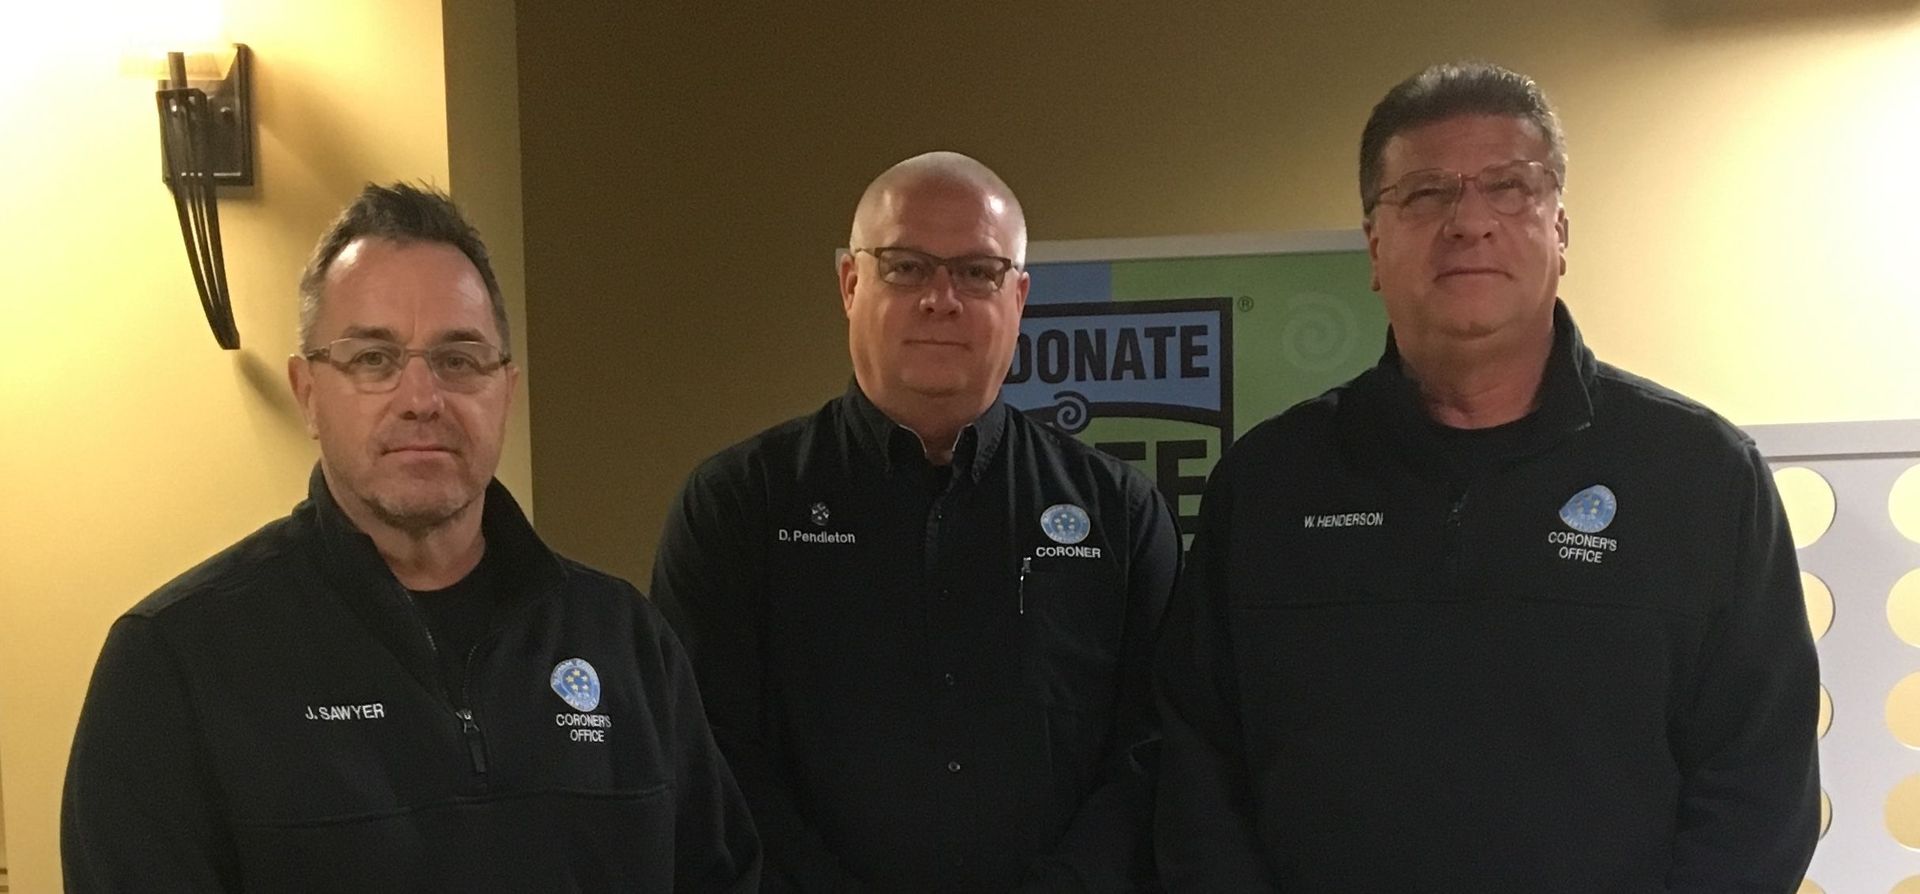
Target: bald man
{"points": [[922, 622]]}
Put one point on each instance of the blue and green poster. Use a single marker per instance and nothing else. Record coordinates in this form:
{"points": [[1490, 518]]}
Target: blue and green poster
{"points": [[1162, 351]]}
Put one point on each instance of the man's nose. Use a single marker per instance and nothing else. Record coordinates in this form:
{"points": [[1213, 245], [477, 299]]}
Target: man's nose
{"points": [[940, 296], [418, 391], [1472, 216]]}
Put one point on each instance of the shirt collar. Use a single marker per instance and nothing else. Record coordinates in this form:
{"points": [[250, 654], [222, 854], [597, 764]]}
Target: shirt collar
{"points": [[896, 444], [510, 538], [1565, 397], [351, 564]]}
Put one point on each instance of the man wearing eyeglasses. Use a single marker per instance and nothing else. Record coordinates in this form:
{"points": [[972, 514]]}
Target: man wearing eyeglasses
{"points": [[1493, 616], [398, 687], [923, 622]]}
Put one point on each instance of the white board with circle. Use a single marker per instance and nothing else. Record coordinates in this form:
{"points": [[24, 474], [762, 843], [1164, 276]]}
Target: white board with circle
{"points": [[1852, 493]]}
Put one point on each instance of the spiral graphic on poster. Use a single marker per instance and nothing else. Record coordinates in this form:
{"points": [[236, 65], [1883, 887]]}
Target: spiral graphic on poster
{"points": [[1319, 332], [1071, 414]]}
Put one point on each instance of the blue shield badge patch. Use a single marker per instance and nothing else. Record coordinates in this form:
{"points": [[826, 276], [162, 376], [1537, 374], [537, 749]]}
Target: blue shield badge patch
{"points": [[1591, 510], [576, 683], [1065, 523]]}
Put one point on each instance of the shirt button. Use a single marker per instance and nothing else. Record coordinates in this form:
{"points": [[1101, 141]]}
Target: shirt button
{"points": [[953, 766], [949, 679]]}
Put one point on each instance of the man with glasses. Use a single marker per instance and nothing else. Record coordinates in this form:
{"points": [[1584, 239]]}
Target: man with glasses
{"points": [[922, 621], [1493, 616], [398, 687]]}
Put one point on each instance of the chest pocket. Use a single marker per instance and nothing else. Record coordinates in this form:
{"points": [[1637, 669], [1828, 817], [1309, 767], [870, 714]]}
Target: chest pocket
{"points": [[1071, 624]]}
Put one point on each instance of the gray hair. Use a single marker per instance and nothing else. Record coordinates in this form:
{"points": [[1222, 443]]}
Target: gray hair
{"points": [[401, 213], [1449, 90]]}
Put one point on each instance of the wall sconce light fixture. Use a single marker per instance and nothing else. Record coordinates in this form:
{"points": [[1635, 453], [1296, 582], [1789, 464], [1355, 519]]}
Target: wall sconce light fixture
{"points": [[206, 140]]}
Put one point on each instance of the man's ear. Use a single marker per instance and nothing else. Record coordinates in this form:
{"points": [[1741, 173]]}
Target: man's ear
{"points": [[1561, 227], [513, 382], [849, 277], [300, 377], [1373, 253]]}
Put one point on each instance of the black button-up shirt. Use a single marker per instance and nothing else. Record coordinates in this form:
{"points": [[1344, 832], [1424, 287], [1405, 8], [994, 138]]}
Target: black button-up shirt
{"points": [[927, 677]]}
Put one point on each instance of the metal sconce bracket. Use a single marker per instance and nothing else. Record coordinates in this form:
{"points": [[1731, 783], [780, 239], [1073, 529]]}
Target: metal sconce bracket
{"points": [[206, 140]]}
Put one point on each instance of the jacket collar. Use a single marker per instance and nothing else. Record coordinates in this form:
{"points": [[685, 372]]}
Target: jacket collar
{"points": [[1388, 401], [354, 570], [896, 445]]}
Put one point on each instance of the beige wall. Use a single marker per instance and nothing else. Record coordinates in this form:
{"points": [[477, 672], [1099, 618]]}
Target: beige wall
{"points": [[1742, 214], [131, 446], [483, 174]]}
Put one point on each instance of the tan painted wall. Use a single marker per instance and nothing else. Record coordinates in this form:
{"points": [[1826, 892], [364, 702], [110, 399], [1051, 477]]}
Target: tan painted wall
{"points": [[483, 165], [131, 447], [1740, 196]]}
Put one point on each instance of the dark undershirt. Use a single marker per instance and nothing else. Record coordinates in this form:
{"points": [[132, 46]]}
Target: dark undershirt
{"points": [[459, 616], [1473, 452], [937, 479]]}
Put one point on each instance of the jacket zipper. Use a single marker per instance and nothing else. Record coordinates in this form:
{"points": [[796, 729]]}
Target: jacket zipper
{"points": [[1026, 568], [469, 729], [476, 741], [476, 744], [1454, 515]]}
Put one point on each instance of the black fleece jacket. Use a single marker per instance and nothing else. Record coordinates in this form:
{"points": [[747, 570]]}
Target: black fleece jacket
{"points": [[1568, 655], [275, 719]]}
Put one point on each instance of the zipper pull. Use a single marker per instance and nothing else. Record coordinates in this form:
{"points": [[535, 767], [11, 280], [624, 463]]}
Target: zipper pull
{"points": [[476, 746], [1026, 568]]}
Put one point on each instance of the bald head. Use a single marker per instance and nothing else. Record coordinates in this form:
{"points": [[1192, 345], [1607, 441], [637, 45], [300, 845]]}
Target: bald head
{"points": [[931, 333], [942, 172]]}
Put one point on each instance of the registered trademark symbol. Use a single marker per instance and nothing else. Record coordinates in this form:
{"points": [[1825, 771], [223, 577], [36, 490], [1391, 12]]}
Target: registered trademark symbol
{"points": [[1246, 303]]}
